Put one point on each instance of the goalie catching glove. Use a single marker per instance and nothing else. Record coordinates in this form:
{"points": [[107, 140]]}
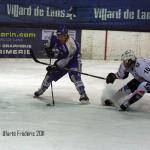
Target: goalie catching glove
{"points": [[111, 77]]}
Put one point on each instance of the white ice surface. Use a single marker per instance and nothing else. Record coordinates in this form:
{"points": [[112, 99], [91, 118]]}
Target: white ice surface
{"points": [[67, 125]]}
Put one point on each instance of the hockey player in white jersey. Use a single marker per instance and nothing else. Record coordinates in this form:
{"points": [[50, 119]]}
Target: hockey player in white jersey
{"points": [[138, 86]]}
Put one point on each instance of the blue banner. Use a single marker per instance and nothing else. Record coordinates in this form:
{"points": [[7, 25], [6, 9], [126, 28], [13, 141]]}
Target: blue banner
{"points": [[16, 42], [95, 14]]}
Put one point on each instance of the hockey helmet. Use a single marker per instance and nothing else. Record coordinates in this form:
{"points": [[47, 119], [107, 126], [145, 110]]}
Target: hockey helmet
{"points": [[62, 31], [128, 57]]}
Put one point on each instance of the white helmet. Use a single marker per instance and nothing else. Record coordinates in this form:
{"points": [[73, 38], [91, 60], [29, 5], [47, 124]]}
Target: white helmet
{"points": [[128, 55]]}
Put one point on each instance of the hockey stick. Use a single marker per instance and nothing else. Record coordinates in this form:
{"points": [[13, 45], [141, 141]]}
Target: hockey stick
{"points": [[52, 93], [36, 60]]}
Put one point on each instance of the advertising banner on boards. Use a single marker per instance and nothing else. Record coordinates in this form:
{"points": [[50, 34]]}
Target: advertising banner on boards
{"points": [[95, 14], [16, 42]]}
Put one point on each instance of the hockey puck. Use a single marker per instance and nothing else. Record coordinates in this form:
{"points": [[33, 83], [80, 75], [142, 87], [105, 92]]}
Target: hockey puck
{"points": [[108, 102], [48, 104]]}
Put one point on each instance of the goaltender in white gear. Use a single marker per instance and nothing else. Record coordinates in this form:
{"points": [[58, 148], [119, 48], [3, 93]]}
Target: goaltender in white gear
{"points": [[138, 86]]}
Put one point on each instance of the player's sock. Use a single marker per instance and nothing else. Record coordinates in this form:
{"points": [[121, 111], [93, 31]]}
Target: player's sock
{"points": [[135, 97]]}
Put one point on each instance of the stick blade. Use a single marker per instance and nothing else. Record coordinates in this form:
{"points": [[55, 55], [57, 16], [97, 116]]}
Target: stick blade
{"points": [[48, 104]]}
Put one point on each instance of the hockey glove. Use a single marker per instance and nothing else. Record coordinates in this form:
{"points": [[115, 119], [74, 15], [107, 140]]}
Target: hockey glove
{"points": [[52, 68], [111, 78]]}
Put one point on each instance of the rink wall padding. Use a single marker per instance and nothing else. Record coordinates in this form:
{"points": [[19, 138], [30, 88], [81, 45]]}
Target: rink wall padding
{"points": [[16, 42], [94, 14]]}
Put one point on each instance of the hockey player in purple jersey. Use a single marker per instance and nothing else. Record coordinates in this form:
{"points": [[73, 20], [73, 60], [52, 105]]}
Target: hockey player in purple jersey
{"points": [[66, 51], [138, 86]]}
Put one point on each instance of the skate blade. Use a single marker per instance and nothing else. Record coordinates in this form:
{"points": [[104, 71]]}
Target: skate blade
{"points": [[84, 102]]}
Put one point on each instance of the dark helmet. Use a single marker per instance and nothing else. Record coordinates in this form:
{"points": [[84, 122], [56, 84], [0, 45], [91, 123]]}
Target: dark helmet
{"points": [[62, 31]]}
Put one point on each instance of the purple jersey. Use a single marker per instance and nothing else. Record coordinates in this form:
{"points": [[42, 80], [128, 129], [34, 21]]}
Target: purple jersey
{"points": [[68, 54]]}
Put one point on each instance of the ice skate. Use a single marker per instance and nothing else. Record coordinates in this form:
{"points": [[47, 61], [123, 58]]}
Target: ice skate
{"points": [[124, 106], [39, 92], [84, 99]]}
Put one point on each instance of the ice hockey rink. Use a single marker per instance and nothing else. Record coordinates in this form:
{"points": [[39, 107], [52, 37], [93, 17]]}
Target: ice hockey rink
{"points": [[67, 125]]}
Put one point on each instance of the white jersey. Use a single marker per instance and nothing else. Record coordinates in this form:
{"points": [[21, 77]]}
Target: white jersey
{"points": [[141, 70]]}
